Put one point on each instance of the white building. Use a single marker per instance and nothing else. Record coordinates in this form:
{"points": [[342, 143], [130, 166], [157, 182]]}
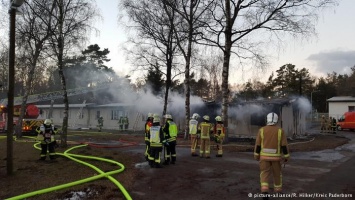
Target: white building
{"points": [[340, 104], [86, 115]]}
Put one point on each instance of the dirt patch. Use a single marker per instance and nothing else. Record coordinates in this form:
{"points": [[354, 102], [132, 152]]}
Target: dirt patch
{"points": [[190, 178]]}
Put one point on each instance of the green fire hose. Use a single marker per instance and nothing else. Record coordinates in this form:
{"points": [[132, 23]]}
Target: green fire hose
{"points": [[74, 157]]}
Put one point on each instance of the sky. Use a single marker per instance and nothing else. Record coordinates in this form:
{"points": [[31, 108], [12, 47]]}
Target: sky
{"points": [[333, 49]]}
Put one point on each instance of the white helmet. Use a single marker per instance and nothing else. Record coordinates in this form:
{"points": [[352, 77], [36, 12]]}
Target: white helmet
{"points": [[150, 115], [272, 118], [218, 118], [156, 118], [206, 117], [168, 116], [195, 116], [47, 122]]}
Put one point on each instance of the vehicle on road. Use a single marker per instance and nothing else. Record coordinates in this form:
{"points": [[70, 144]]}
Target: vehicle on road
{"points": [[346, 121]]}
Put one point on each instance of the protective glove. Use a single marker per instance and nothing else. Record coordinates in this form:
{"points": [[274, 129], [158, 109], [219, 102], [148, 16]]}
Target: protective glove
{"points": [[165, 143]]}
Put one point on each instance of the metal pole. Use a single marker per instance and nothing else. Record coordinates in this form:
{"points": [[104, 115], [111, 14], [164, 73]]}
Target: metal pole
{"points": [[10, 93]]}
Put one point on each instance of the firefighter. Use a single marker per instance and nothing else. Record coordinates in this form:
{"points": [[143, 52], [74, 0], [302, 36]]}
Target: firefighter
{"points": [[147, 126], [120, 123], [219, 133], [270, 149], [125, 122], [329, 125], [170, 133], [205, 129], [46, 134], [100, 122], [334, 125], [156, 142], [193, 125], [323, 124]]}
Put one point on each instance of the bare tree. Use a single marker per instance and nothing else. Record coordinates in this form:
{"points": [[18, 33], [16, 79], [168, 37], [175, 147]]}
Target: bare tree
{"points": [[72, 23], [33, 32], [157, 44], [241, 27], [192, 13], [212, 65]]}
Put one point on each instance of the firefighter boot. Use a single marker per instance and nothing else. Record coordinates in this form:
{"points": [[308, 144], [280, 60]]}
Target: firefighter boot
{"points": [[167, 161]]}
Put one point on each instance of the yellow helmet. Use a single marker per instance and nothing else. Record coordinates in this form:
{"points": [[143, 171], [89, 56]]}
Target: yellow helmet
{"points": [[47, 122], [206, 117], [218, 118], [150, 115]]}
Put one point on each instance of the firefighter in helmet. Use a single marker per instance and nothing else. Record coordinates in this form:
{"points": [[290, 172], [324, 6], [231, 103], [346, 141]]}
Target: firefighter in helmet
{"points": [[170, 133], [219, 133], [46, 134], [156, 142], [193, 125], [100, 123], [147, 126], [205, 129], [270, 149]]}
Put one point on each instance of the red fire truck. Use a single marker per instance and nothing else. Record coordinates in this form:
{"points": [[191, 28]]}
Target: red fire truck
{"points": [[30, 121]]}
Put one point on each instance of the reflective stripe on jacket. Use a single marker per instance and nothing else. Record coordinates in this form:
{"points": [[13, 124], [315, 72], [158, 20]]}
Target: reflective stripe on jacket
{"points": [[193, 126], [205, 128], [46, 133], [155, 140], [271, 143], [219, 130]]}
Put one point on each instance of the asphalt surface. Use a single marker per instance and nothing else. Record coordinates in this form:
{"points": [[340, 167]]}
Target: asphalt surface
{"points": [[326, 174]]}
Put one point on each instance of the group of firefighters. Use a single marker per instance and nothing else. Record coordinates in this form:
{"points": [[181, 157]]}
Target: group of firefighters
{"points": [[162, 138], [328, 125], [271, 147], [123, 123]]}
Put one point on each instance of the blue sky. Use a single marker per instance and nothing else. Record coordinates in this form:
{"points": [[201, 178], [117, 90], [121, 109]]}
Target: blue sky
{"points": [[332, 50]]}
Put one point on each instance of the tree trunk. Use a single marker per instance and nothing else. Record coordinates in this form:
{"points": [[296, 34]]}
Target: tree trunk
{"points": [[168, 79], [225, 71], [63, 136]]}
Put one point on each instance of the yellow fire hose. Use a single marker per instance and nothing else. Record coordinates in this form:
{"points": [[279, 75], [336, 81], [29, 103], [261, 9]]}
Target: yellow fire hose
{"points": [[73, 157]]}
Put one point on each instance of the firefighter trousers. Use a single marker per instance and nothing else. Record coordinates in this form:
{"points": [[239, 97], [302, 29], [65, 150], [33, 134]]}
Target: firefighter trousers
{"points": [[50, 148], [268, 169], [170, 153], [219, 145], [194, 142], [155, 153], [147, 150], [205, 147]]}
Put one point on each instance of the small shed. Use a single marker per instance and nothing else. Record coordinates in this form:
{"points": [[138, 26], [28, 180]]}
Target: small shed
{"points": [[246, 118]]}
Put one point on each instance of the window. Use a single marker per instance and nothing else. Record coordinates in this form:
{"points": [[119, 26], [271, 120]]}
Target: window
{"points": [[351, 108], [116, 114]]}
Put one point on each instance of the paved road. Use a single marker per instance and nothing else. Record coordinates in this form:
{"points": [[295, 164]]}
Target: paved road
{"points": [[322, 173]]}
